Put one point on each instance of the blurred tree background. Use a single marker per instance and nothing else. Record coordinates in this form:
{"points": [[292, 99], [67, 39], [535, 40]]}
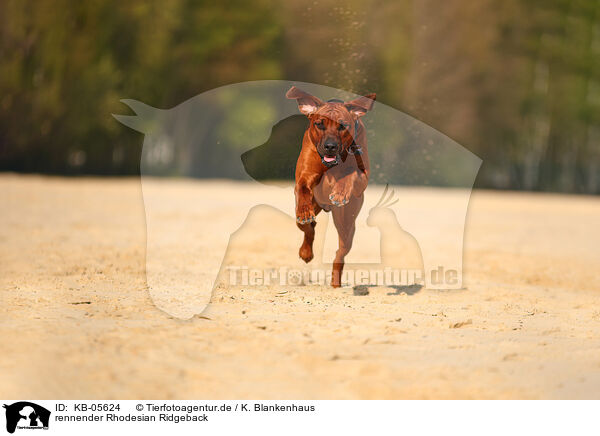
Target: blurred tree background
{"points": [[517, 82]]}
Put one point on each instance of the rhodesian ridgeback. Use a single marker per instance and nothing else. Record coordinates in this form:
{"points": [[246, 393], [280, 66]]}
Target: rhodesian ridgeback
{"points": [[332, 171]]}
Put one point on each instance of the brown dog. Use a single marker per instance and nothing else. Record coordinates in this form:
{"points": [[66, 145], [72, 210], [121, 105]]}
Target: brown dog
{"points": [[328, 176]]}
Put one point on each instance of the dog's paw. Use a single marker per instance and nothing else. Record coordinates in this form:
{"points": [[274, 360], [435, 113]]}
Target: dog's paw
{"points": [[339, 199], [306, 253], [335, 281], [305, 215]]}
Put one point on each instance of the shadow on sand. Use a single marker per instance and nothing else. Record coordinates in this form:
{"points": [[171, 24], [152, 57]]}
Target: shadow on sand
{"points": [[408, 290]]}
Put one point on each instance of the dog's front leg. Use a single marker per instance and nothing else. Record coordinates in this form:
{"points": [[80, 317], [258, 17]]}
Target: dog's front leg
{"points": [[353, 184], [305, 211]]}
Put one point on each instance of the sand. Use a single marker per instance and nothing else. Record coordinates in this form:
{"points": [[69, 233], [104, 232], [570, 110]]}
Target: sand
{"points": [[77, 319]]}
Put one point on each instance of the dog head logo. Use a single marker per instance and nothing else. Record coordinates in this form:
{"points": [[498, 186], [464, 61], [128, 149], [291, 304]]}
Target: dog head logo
{"points": [[250, 132], [26, 415]]}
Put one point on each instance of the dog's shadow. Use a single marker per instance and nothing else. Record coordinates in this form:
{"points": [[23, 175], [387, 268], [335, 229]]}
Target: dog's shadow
{"points": [[361, 290]]}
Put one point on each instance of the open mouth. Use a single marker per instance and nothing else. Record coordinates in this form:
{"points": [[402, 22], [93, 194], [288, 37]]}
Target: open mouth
{"points": [[329, 161]]}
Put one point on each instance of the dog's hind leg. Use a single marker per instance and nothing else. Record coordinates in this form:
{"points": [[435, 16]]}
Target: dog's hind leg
{"points": [[344, 219], [306, 249]]}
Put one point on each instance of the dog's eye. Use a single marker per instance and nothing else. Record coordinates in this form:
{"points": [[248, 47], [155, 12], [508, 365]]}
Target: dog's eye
{"points": [[320, 125], [342, 126]]}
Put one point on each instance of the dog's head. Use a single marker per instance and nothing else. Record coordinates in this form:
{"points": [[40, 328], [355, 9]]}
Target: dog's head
{"points": [[333, 123]]}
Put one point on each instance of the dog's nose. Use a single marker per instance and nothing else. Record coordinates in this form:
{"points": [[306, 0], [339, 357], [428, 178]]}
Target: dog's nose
{"points": [[330, 147]]}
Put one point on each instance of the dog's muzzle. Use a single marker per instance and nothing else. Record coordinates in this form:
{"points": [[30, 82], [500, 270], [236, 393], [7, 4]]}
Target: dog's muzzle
{"points": [[330, 161], [331, 151]]}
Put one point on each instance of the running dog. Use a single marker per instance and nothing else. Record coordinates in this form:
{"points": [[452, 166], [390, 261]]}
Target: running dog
{"points": [[332, 171]]}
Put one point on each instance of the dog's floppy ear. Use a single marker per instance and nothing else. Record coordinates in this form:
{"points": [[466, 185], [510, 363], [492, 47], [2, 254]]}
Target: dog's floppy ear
{"points": [[307, 103], [360, 106]]}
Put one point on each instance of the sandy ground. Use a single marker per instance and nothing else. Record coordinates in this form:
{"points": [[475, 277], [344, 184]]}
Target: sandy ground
{"points": [[77, 320]]}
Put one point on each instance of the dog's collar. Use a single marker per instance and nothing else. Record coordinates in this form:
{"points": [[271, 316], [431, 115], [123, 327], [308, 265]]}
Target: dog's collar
{"points": [[354, 147]]}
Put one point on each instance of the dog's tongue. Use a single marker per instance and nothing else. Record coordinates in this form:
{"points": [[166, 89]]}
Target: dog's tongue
{"points": [[329, 159]]}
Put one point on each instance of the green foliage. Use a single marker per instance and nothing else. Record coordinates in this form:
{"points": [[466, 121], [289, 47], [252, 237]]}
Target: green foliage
{"points": [[66, 64], [517, 82]]}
